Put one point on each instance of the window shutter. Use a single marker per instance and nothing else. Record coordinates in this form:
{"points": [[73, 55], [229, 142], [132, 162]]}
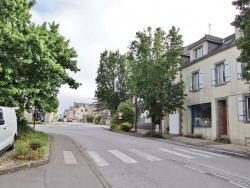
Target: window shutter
{"points": [[201, 79], [241, 109], [239, 71], [190, 83], [227, 71], [213, 81]]}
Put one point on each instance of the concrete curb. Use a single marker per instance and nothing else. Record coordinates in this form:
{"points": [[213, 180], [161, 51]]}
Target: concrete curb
{"points": [[30, 164], [206, 147]]}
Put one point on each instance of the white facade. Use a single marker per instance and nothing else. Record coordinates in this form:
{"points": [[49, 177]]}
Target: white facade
{"points": [[217, 100]]}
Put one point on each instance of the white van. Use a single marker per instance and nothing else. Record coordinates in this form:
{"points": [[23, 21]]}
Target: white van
{"points": [[8, 128]]}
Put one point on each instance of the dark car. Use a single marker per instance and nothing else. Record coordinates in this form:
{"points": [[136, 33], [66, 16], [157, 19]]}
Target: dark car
{"points": [[69, 120]]}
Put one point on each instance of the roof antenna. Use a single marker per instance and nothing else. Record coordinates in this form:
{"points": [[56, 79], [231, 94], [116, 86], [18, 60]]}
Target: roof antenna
{"points": [[209, 28]]}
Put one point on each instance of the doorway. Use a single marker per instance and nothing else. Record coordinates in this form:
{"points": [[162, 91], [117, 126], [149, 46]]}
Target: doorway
{"points": [[222, 118]]}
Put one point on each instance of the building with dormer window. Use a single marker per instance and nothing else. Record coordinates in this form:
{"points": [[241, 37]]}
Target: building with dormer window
{"points": [[217, 105]]}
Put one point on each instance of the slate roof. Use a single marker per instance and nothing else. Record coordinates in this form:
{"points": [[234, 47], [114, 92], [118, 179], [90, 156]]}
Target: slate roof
{"points": [[224, 44], [209, 38]]}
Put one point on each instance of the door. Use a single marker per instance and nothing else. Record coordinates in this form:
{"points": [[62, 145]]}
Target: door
{"points": [[174, 123], [224, 120]]}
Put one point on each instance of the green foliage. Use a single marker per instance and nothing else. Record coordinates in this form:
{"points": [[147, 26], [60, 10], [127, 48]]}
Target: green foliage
{"points": [[128, 113], [97, 118], [153, 134], [36, 122], [30, 144], [126, 126], [35, 145], [115, 127], [90, 118], [111, 80], [242, 21], [154, 59], [60, 120], [23, 128], [34, 59]]}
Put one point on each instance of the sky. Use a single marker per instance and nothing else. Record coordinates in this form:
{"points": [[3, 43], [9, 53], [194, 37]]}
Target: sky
{"points": [[95, 25]]}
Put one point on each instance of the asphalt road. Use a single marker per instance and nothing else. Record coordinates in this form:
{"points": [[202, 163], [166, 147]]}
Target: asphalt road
{"points": [[118, 160]]}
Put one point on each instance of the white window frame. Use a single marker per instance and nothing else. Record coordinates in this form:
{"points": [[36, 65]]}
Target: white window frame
{"points": [[220, 73], [198, 52], [196, 81], [247, 108], [240, 68]]}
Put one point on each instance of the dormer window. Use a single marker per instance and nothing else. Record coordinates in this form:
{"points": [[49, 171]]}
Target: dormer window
{"points": [[198, 52]]}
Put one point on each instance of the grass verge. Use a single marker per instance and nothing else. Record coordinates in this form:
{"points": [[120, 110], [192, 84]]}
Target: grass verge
{"points": [[30, 144]]}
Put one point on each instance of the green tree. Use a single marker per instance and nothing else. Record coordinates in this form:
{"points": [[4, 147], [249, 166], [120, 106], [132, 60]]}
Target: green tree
{"points": [[34, 59], [111, 80], [128, 113], [242, 21], [154, 59]]}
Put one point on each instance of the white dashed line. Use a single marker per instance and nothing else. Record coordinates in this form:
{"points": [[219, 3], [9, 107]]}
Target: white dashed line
{"points": [[69, 157]]}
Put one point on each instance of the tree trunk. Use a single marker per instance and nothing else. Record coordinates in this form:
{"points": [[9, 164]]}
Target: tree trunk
{"points": [[34, 116]]}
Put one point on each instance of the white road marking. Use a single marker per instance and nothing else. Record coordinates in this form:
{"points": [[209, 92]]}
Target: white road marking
{"points": [[69, 157], [199, 154], [122, 156], [145, 155], [176, 153], [210, 153], [98, 159]]}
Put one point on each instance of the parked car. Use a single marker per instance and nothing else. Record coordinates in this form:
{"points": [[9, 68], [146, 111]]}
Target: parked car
{"points": [[8, 128], [69, 120]]}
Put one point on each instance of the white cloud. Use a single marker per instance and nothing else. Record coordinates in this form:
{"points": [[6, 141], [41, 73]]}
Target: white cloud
{"points": [[95, 25]]}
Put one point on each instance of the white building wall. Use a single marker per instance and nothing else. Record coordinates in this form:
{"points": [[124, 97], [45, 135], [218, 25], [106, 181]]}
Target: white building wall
{"points": [[237, 131]]}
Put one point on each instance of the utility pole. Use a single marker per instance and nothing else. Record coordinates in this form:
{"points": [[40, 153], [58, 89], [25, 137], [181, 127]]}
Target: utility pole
{"points": [[136, 114]]}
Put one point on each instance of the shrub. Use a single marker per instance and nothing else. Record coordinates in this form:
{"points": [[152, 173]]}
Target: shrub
{"points": [[153, 134], [60, 120], [32, 122], [126, 126], [21, 150], [35, 145], [23, 128], [115, 127], [128, 113], [97, 118], [90, 118]]}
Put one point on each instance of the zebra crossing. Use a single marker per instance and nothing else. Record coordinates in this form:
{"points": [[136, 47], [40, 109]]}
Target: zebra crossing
{"points": [[99, 160], [183, 153]]}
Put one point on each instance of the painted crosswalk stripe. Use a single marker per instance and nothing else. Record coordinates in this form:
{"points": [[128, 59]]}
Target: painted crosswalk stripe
{"points": [[122, 156], [69, 157], [210, 153], [176, 153], [145, 155], [194, 153], [98, 159]]}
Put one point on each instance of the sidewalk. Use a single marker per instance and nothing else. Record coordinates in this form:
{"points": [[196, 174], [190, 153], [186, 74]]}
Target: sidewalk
{"points": [[234, 148], [57, 172]]}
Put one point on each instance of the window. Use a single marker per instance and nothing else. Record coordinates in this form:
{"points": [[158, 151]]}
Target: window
{"points": [[220, 73], [244, 108], [240, 68], [1, 114], [248, 108], [201, 115], [1, 117], [196, 80], [198, 52]]}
